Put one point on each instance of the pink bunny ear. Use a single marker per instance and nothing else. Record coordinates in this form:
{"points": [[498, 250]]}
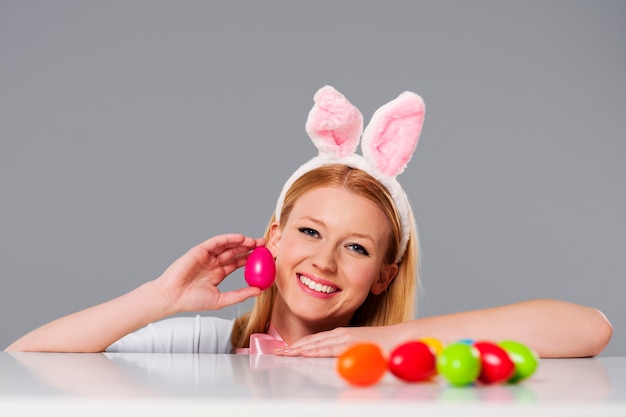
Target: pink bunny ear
{"points": [[334, 124], [391, 136]]}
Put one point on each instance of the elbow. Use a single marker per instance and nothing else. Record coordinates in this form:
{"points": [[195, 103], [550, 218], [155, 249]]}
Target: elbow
{"points": [[14, 347], [601, 333]]}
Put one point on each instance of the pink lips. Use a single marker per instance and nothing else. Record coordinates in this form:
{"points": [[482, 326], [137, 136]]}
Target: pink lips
{"points": [[317, 287]]}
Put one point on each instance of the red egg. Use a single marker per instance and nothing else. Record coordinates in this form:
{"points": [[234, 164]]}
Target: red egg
{"points": [[260, 270], [497, 365], [413, 361]]}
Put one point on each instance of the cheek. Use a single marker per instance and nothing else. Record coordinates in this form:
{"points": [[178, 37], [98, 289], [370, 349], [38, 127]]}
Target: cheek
{"points": [[281, 268], [291, 250], [361, 275], [359, 279], [287, 258]]}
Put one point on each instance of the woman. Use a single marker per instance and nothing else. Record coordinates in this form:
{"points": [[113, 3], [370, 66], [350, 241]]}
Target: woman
{"points": [[347, 261]]}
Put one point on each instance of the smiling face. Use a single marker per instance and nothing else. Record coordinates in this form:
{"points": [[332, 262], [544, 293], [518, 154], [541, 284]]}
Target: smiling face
{"points": [[329, 256]]}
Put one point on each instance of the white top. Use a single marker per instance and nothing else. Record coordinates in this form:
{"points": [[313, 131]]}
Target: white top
{"points": [[179, 335]]}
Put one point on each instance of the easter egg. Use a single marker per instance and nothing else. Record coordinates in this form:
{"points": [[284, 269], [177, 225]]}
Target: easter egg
{"points": [[525, 359], [362, 364], [260, 270], [459, 363], [413, 361], [496, 364]]}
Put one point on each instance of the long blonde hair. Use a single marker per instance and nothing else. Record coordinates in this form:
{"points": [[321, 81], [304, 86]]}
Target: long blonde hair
{"points": [[396, 304]]}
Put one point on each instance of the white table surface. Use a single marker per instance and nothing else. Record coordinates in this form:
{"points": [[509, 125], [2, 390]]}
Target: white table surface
{"points": [[189, 385]]}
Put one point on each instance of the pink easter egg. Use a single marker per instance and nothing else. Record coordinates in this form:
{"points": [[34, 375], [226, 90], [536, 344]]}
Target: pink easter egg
{"points": [[260, 270]]}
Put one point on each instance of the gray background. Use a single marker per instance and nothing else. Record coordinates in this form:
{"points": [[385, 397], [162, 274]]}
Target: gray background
{"points": [[132, 130]]}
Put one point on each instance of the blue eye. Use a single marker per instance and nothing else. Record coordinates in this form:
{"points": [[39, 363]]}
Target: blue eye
{"points": [[358, 249], [309, 232]]}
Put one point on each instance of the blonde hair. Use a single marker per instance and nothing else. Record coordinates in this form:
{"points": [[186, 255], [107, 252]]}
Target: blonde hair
{"points": [[396, 304]]}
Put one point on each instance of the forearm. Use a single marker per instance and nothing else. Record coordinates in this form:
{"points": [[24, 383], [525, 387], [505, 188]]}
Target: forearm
{"points": [[552, 328], [95, 328]]}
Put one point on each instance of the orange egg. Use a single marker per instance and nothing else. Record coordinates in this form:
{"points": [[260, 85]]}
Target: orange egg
{"points": [[362, 364]]}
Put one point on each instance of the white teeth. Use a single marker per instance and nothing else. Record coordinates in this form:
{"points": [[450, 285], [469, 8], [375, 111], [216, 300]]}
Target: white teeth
{"points": [[315, 286]]}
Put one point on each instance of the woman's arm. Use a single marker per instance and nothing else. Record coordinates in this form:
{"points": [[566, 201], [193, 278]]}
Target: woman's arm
{"points": [[551, 328], [189, 284]]}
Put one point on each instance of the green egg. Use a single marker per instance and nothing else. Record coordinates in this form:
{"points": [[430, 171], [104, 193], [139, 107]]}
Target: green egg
{"points": [[459, 363], [525, 359]]}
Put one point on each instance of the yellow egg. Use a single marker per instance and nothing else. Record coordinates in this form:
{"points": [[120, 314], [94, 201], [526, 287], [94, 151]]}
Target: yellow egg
{"points": [[434, 344]]}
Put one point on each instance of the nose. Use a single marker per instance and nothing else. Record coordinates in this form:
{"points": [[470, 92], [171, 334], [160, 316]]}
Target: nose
{"points": [[325, 259]]}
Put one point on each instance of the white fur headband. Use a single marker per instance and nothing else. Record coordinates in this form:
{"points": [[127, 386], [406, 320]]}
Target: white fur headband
{"points": [[387, 143]]}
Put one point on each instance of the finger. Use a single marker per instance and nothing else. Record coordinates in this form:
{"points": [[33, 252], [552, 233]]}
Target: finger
{"points": [[324, 352], [307, 343], [236, 256], [318, 339], [227, 247], [229, 298], [312, 352], [223, 249], [219, 243], [232, 260]]}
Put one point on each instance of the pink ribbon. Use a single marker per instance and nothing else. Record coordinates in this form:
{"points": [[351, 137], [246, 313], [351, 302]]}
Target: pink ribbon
{"points": [[263, 344]]}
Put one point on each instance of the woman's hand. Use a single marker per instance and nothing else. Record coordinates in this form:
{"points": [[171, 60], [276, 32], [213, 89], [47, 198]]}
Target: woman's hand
{"points": [[334, 342], [190, 283]]}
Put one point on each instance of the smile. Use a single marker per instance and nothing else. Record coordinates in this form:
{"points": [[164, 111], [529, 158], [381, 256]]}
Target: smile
{"points": [[316, 286]]}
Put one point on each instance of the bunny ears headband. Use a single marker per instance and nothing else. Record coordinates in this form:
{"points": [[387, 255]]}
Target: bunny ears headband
{"points": [[387, 143]]}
